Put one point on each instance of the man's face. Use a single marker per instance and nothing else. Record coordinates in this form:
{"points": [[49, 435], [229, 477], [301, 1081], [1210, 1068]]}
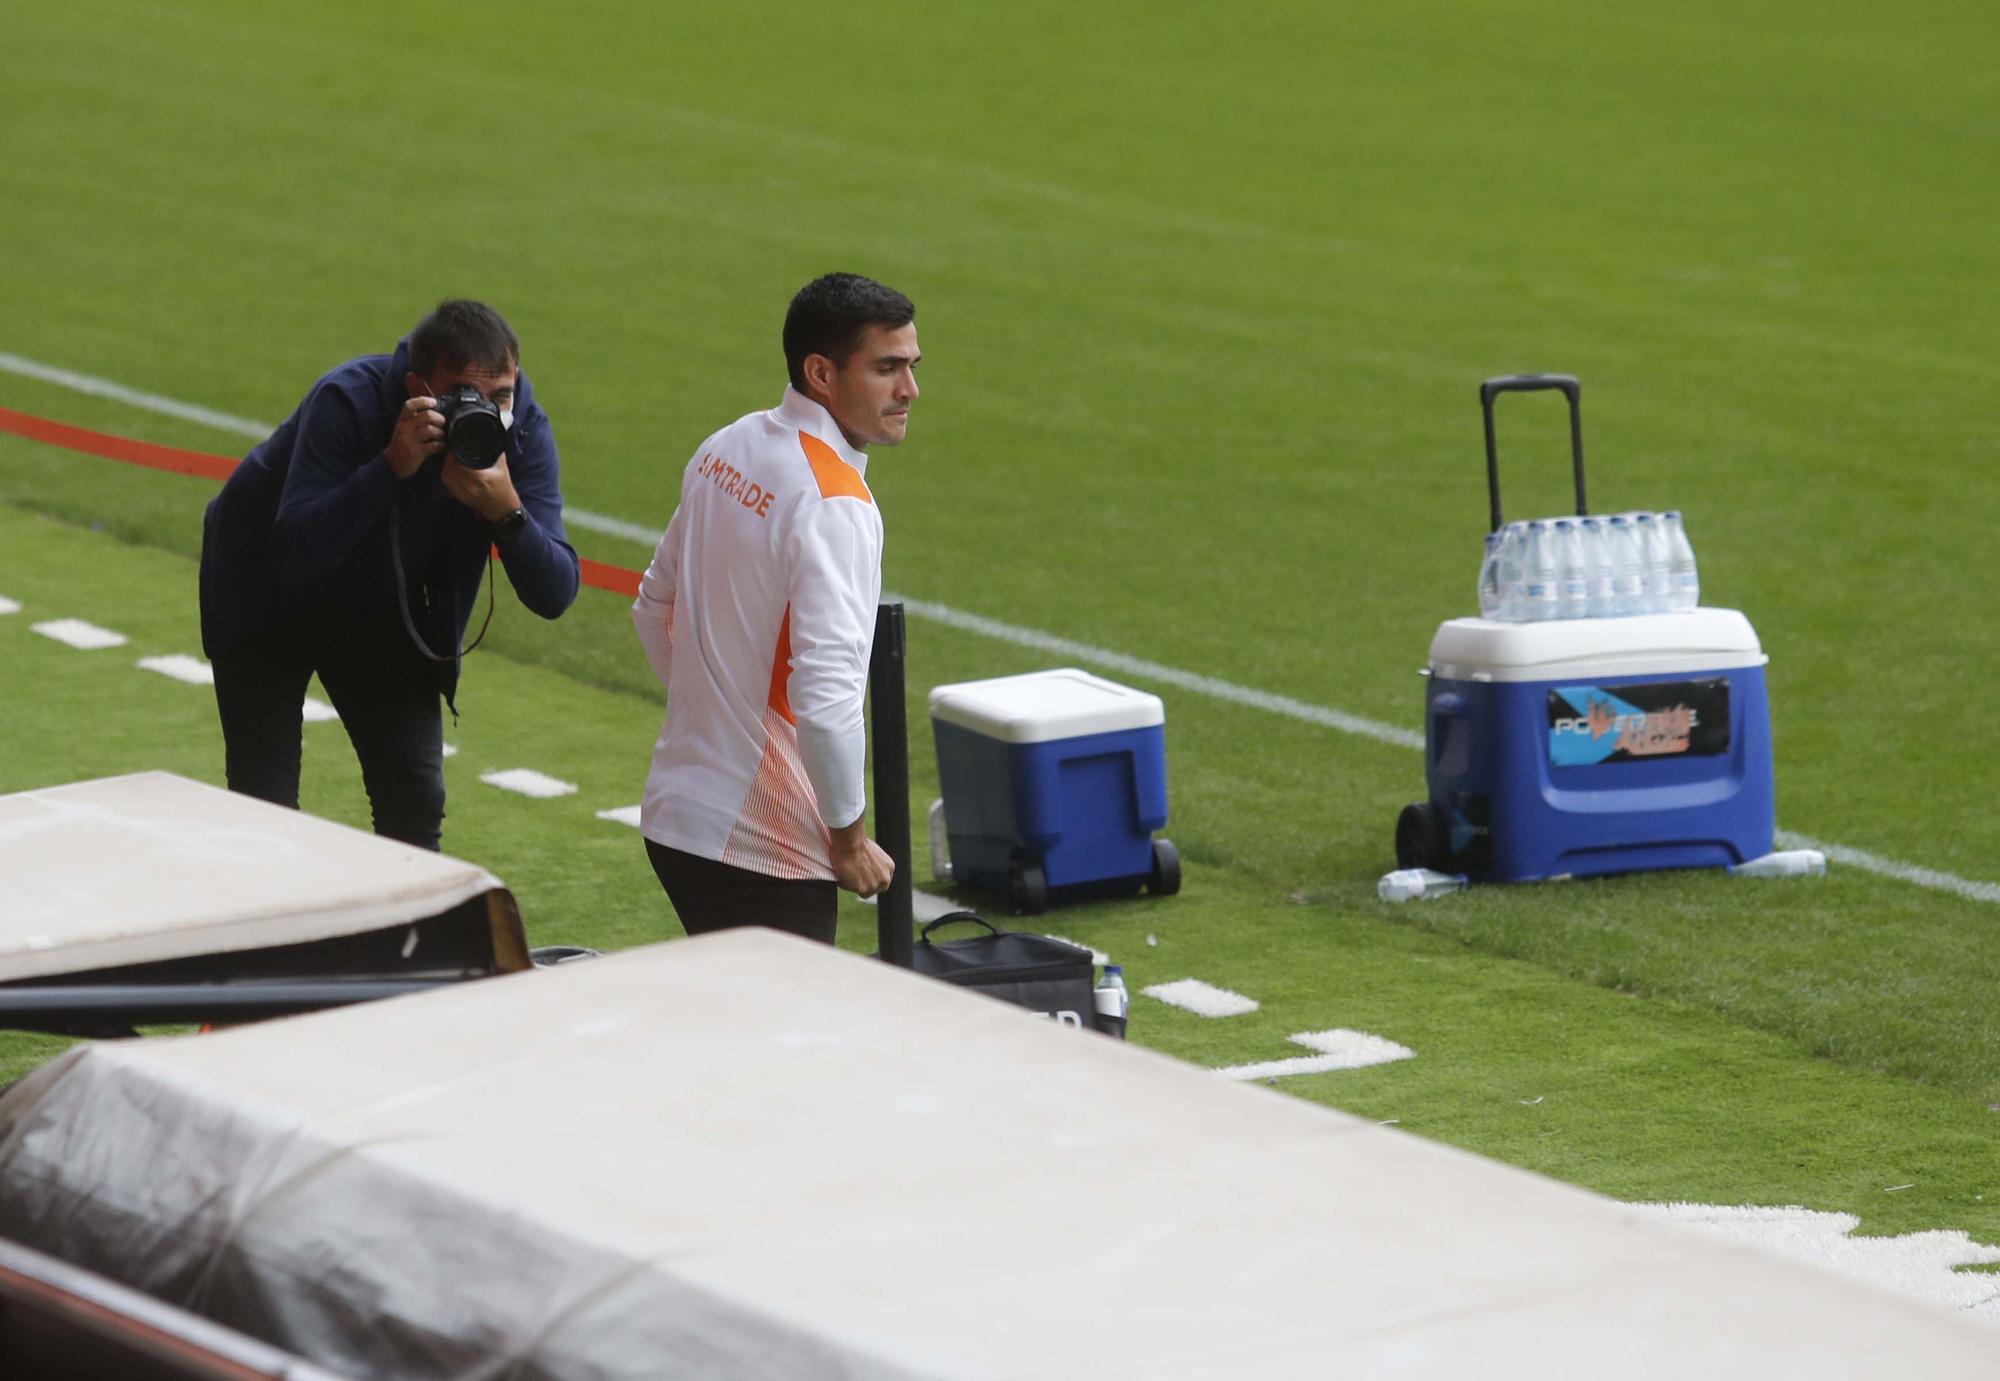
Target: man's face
{"points": [[496, 386], [870, 395]]}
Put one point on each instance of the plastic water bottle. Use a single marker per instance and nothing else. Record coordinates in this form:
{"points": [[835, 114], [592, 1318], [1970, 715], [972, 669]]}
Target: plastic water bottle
{"points": [[1489, 578], [940, 844], [1628, 581], [1538, 594], [1655, 560], [1113, 1002], [1786, 863], [1572, 576], [1409, 884], [1597, 567], [1684, 586], [1510, 563]]}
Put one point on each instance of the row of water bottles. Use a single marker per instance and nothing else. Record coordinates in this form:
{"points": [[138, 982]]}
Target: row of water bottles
{"points": [[1588, 568]]}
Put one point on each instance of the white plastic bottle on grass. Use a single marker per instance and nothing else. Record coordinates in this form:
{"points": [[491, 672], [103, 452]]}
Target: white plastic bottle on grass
{"points": [[1786, 863], [1538, 597], [1684, 590], [1572, 575], [1411, 884]]}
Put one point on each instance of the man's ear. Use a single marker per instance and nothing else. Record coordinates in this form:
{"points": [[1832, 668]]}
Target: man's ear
{"points": [[819, 371]]}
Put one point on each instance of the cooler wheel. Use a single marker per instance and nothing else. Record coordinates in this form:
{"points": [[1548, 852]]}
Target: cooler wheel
{"points": [[1166, 875], [1420, 838], [1027, 886]]}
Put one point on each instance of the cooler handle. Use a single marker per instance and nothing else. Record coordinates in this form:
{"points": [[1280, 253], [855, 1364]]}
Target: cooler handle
{"points": [[1533, 383]]}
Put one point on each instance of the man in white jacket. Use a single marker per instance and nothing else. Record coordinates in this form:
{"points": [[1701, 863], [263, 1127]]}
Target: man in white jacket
{"points": [[757, 614]]}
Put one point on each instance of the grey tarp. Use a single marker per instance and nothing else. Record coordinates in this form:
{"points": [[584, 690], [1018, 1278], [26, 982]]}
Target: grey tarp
{"points": [[749, 1156], [152, 867]]}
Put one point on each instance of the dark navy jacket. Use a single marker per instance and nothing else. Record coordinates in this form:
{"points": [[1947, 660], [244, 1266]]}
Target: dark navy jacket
{"points": [[305, 517]]}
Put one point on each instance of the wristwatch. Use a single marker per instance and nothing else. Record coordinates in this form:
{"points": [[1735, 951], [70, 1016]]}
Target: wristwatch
{"points": [[509, 527]]}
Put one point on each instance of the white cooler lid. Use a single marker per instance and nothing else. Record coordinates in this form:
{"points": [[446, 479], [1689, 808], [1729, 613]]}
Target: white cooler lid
{"points": [[1044, 705], [1640, 645]]}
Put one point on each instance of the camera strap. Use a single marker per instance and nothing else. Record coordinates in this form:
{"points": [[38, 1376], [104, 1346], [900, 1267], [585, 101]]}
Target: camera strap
{"points": [[403, 591]]}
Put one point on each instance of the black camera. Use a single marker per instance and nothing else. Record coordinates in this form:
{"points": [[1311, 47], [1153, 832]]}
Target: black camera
{"points": [[473, 430]]}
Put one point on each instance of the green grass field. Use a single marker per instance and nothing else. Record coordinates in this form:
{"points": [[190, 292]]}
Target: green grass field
{"points": [[1204, 298]]}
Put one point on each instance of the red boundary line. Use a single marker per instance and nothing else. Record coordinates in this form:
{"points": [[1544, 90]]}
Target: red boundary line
{"points": [[617, 579]]}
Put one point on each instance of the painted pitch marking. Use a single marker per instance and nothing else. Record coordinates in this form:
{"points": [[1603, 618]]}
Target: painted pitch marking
{"points": [[1210, 686], [1920, 1264], [78, 634], [1203, 999], [317, 711], [526, 781], [9, 606], [623, 815], [181, 667], [1339, 1049]]}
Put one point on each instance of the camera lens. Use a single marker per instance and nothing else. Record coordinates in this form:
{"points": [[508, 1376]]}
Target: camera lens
{"points": [[475, 435]]}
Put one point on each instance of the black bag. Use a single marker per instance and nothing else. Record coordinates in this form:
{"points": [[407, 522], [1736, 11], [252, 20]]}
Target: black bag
{"points": [[1044, 975]]}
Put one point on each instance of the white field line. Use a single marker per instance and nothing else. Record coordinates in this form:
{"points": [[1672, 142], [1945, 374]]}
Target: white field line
{"points": [[526, 781], [317, 711], [1923, 1265], [181, 667], [621, 815], [1020, 636], [87, 637], [9, 606], [1338, 1049], [1203, 999]]}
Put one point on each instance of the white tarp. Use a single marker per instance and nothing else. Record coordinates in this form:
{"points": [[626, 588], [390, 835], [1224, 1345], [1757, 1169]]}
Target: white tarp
{"points": [[747, 1156], [129, 870]]}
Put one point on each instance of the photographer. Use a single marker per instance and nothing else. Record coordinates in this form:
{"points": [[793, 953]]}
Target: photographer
{"points": [[353, 542]]}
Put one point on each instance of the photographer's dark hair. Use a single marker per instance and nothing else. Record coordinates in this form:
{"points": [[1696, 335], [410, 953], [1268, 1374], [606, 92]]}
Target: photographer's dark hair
{"points": [[462, 333], [830, 314]]}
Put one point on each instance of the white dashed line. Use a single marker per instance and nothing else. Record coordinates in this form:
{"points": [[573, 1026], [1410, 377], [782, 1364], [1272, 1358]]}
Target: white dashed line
{"points": [[528, 782], [317, 711], [1338, 1050], [181, 667], [1203, 999], [623, 815], [451, 750], [9, 606], [1097, 956], [87, 636]]}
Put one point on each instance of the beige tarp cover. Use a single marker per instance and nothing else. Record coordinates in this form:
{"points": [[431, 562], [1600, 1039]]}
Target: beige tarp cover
{"points": [[748, 1156], [129, 870]]}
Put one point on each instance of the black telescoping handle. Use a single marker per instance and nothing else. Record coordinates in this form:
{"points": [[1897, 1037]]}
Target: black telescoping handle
{"points": [[1533, 383], [895, 912]]}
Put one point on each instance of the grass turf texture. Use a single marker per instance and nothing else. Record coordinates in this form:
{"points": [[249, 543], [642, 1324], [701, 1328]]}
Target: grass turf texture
{"points": [[1204, 301], [1655, 1099]]}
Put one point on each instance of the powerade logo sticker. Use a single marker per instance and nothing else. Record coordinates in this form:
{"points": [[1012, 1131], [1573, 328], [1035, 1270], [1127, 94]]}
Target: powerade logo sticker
{"points": [[1664, 719]]}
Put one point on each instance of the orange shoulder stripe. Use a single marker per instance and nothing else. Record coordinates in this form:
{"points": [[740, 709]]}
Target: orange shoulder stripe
{"points": [[837, 479]]}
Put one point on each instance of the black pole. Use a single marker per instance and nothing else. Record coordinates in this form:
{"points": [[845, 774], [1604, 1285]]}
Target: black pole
{"points": [[895, 915]]}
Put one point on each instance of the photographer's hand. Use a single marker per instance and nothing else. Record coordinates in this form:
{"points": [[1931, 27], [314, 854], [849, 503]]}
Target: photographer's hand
{"points": [[419, 433], [489, 492]]}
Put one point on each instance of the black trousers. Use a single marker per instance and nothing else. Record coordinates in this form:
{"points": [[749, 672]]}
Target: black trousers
{"points": [[708, 895], [388, 700]]}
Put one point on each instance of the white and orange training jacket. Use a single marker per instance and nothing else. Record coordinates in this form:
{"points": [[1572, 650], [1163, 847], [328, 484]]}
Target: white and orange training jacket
{"points": [[757, 614]]}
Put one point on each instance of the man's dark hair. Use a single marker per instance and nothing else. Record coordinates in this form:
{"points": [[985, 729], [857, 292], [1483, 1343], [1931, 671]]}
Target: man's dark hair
{"points": [[461, 334], [830, 314]]}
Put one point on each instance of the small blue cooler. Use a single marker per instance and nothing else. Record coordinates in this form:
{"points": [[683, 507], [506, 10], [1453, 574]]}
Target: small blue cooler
{"points": [[1590, 746], [1053, 785]]}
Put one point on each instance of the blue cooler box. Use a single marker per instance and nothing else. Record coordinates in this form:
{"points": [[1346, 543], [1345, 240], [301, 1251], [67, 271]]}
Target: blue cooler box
{"points": [[1590, 746], [1053, 784]]}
